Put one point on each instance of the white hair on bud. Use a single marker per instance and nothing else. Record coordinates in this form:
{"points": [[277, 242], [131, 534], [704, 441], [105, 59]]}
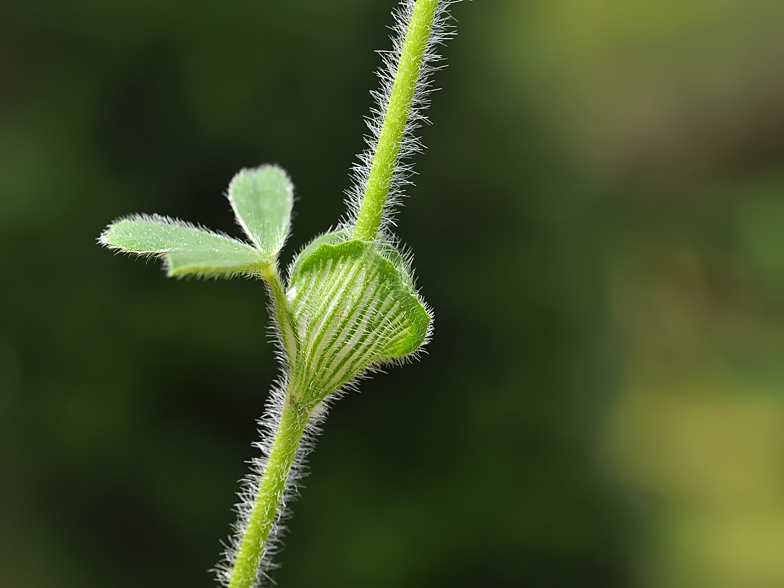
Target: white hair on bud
{"points": [[432, 61]]}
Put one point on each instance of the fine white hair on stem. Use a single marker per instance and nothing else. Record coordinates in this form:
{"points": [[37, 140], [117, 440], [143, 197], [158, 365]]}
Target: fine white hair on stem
{"points": [[432, 61], [249, 489]]}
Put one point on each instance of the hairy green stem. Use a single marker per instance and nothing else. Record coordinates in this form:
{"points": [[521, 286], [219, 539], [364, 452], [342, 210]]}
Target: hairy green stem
{"points": [[282, 310], [393, 130], [294, 418]]}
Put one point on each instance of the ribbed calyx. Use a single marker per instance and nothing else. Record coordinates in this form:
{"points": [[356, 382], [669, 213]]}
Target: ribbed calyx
{"points": [[352, 308]]}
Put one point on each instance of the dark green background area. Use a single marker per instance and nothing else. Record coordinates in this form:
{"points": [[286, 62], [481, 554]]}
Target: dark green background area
{"points": [[598, 222]]}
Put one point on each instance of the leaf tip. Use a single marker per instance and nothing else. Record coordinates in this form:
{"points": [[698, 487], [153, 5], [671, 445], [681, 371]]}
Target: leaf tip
{"points": [[262, 199]]}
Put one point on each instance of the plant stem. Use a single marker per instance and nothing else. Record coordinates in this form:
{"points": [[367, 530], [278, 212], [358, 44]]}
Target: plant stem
{"points": [[282, 310], [393, 130], [293, 420]]}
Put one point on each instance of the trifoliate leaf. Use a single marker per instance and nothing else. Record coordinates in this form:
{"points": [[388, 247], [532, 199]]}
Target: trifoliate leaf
{"points": [[187, 249], [352, 309], [262, 199]]}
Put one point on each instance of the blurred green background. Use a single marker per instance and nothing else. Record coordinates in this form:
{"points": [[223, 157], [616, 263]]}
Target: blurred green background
{"points": [[598, 223]]}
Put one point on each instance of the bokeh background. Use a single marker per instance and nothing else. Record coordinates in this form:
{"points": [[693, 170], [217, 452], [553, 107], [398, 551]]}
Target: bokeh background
{"points": [[598, 222]]}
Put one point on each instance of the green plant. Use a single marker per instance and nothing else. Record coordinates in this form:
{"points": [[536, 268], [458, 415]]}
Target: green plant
{"points": [[349, 305]]}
